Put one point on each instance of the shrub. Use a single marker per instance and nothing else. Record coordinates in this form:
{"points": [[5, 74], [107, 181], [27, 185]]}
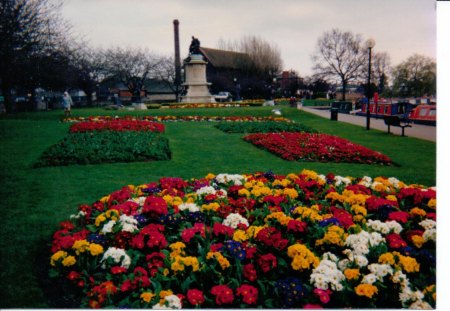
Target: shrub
{"points": [[106, 146], [263, 127]]}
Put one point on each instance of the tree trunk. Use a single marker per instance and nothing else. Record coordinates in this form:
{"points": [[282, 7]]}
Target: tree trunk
{"points": [[344, 89]]}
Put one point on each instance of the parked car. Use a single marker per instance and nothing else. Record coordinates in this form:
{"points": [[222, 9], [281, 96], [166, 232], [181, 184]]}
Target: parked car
{"points": [[223, 97]]}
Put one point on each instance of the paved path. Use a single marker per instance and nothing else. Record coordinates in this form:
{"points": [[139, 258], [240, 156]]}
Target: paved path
{"points": [[425, 132]]}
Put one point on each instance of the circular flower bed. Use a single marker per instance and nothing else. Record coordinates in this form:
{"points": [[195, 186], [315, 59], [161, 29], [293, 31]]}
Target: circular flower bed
{"points": [[261, 240]]}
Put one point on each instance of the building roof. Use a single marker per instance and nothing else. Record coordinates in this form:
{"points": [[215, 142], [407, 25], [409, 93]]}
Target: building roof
{"points": [[225, 59]]}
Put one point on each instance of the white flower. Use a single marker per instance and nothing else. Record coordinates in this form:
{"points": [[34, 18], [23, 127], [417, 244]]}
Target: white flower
{"points": [[76, 216], [394, 181], [107, 228], [326, 275], [234, 219], [369, 279], [366, 181], [210, 190], [428, 224], [192, 207], [236, 179], [342, 180], [420, 305], [361, 260], [171, 302], [138, 200], [129, 224], [119, 255], [429, 234]]}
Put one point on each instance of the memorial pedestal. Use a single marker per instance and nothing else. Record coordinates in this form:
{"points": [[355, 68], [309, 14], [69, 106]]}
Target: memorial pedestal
{"points": [[196, 84]]}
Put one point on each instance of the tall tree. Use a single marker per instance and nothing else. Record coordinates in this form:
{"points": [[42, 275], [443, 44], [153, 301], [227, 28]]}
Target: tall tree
{"points": [[29, 30], [265, 57], [339, 55], [132, 67], [381, 64], [416, 76]]}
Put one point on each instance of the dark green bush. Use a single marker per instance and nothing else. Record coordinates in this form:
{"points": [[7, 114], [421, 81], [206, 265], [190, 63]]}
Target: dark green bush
{"points": [[107, 146], [263, 127]]}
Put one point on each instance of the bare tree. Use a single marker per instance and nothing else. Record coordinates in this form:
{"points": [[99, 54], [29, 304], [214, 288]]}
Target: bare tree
{"points": [[265, 57], [132, 67], [29, 31], [416, 76], [381, 64], [339, 56]]}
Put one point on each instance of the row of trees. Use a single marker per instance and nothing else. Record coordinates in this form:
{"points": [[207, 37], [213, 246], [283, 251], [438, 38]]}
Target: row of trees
{"points": [[38, 50], [342, 56]]}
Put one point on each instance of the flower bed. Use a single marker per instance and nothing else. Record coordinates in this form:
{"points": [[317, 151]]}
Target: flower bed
{"points": [[106, 146], [179, 118], [262, 240], [316, 147], [263, 127], [119, 125]]}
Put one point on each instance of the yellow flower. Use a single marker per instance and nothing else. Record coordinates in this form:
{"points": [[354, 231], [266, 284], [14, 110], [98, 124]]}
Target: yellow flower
{"points": [[163, 294], [359, 210], [290, 192], [391, 198], [177, 265], [147, 296], [432, 204], [69, 261], [280, 217], [244, 192], [240, 235], [302, 257], [210, 176], [367, 290], [99, 219], [409, 264], [386, 258], [334, 196], [214, 206], [57, 257], [80, 246], [334, 235], [105, 199], [112, 214], [351, 274], [253, 231], [95, 249], [418, 212], [177, 249], [224, 263], [168, 199]]}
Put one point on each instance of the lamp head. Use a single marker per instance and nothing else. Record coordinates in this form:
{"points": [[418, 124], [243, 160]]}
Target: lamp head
{"points": [[370, 43]]}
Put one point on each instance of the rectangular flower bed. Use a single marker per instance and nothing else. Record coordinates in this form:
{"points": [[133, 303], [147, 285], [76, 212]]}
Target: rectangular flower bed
{"points": [[316, 147], [119, 125], [263, 127], [106, 146]]}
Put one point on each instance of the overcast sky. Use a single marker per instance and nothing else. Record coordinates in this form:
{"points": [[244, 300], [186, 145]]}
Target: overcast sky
{"points": [[399, 27]]}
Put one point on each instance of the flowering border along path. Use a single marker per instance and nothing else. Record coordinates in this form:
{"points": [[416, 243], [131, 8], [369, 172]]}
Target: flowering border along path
{"points": [[316, 147], [178, 118], [261, 240]]}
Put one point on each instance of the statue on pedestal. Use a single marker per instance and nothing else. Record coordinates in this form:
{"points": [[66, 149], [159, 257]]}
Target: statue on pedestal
{"points": [[194, 48]]}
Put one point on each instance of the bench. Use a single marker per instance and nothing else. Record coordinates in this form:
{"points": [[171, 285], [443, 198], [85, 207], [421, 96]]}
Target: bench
{"points": [[396, 121]]}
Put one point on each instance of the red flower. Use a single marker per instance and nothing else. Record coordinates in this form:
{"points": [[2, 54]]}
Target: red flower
{"points": [[73, 276], [345, 218], [250, 272], [155, 260], [195, 297], [324, 295], [219, 229], [296, 226], [249, 293], [267, 262], [118, 270], [395, 241], [224, 294], [155, 206], [400, 216]]}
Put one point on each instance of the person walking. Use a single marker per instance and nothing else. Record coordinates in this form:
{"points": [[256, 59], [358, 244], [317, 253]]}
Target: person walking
{"points": [[67, 104]]}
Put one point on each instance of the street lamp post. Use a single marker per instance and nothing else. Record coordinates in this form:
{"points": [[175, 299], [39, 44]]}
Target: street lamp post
{"points": [[370, 44]]}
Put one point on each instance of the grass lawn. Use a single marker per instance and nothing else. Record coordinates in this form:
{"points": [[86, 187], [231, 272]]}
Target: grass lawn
{"points": [[35, 200]]}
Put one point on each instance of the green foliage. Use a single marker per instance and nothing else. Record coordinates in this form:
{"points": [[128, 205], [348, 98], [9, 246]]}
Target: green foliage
{"points": [[263, 127], [153, 106], [106, 146]]}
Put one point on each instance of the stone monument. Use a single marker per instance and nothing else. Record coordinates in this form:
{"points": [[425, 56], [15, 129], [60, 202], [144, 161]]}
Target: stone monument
{"points": [[195, 76]]}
